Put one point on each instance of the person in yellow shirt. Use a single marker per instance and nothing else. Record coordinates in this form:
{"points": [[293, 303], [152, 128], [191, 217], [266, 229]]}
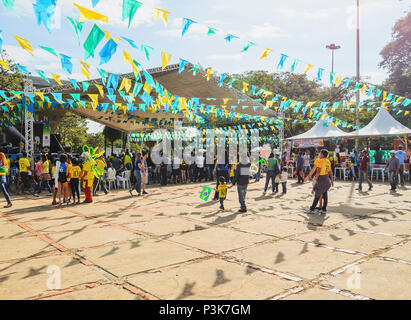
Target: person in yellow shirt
{"points": [[4, 169], [101, 180], [24, 167], [323, 181], [75, 173], [87, 177], [222, 191]]}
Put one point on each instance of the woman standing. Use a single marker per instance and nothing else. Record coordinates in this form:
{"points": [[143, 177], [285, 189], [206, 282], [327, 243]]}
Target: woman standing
{"points": [[4, 168], [323, 181], [138, 165], [62, 179]]}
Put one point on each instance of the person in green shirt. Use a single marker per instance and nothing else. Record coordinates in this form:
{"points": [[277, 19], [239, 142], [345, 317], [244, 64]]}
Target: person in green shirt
{"points": [[272, 171]]}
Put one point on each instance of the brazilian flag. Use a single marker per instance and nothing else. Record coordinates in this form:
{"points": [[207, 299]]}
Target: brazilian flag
{"points": [[205, 194]]}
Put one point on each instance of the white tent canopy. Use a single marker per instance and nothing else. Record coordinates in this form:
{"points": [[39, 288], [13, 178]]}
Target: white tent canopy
{"points": [[383, 124], [322, 130]]}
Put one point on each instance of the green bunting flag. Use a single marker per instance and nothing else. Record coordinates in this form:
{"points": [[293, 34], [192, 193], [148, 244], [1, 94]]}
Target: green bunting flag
{"points": [[147, 51], [78, 27], [9, 4], [93, 39], [211, 31], [130, 8], [250, 44], [50, 50], [295, 64], [205, 194]]}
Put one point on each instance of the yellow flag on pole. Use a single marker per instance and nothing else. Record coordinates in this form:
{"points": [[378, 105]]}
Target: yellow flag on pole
{"points": [[85, 69], [165, 59], [56, 77], [25, 44], [87, 14]]}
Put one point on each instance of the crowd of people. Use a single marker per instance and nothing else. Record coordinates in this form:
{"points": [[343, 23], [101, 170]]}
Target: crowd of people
{"points": [[65, 176]]}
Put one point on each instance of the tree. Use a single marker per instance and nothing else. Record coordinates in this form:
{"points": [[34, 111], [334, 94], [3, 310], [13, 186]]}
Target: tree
{"points": [[292, 86], [73, 131], [95, 140], [10, 79], [397, 60]]}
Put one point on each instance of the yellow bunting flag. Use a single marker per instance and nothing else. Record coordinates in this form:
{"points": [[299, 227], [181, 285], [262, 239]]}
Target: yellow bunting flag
{"points": [[165, 59], [308, 67], [40, 94], [338, 79], [4, 65], [85, 69], [86, 14], [107, 35], [245, 87], [56, 77], [127, 57], [94, 100], [147, 88], [100, 90], [265, 53], [269, 104], [125, 84], [363, 88], [161, 14], [226, 100], [25, 44], [209, 73]]}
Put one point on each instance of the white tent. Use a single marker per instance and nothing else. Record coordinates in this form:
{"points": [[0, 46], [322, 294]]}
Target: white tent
{"points": [[322, 130], [383, 124]]}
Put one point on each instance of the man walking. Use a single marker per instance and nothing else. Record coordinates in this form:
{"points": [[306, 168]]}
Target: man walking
{"points": [[300, 167], [241, 178], [364, 162], [393, 165], [401, 156]]}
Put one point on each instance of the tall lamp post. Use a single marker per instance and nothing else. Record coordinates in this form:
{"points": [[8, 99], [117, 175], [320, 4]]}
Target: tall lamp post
{"points": [[357, 100], [333, 47]]}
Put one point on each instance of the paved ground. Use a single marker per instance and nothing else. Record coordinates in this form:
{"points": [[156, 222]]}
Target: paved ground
{"points": [[172, 245]]}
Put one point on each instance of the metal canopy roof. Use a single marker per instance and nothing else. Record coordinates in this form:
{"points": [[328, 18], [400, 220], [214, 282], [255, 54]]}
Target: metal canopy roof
{"points": [[184, 84]]}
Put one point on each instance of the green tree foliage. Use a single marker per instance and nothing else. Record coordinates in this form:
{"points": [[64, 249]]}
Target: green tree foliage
{"points": [[10, 79], [293, 86], [95, 140], [73, 131], [397, 60]]}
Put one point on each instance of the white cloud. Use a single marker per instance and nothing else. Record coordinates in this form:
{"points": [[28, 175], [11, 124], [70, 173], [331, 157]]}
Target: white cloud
{"points": [[266, 31], [292, 13], [235, 57]]}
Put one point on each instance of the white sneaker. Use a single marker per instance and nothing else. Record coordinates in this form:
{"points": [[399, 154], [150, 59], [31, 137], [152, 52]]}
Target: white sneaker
{"points": [[36, 195]]}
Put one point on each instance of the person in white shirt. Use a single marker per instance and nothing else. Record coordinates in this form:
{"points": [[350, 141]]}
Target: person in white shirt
{"points": [[176, 170], [199, 168], [306, 157], [284, 177]]}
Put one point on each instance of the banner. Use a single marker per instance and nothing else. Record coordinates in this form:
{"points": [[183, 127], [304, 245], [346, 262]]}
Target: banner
{"points": [[46, 136]]}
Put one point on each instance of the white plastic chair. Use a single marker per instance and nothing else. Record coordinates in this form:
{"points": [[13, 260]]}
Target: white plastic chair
{"points": [[124, 180]]}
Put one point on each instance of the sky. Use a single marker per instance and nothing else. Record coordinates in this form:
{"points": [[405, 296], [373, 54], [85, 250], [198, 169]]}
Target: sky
{"points": [[300, 29]]}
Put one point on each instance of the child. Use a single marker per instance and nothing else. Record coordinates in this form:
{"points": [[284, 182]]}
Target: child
{"points": [[284, 176], [75, 173], [277, 180], [222, 191]]}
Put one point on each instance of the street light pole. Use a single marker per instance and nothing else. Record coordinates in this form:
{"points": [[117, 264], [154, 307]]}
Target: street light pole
{"points": [[332, 47], [357, 100]]}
